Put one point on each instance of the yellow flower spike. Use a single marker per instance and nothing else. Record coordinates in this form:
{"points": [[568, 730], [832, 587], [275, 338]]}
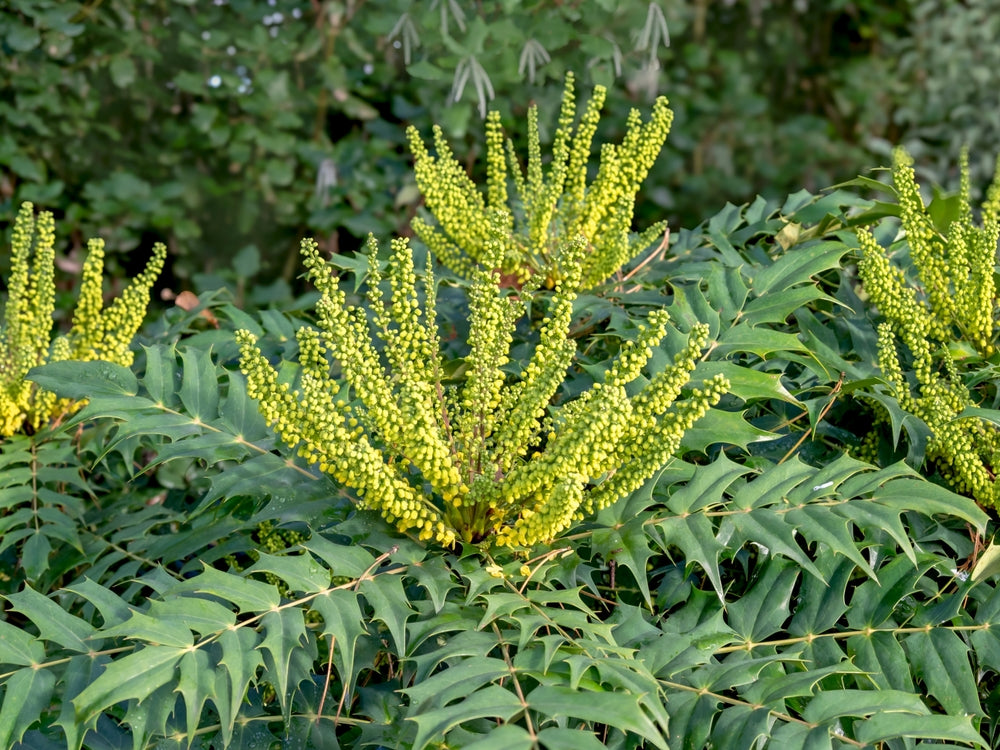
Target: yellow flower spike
{"points": [[26, 329], [954, 301], [552, 200], [448, 461]]}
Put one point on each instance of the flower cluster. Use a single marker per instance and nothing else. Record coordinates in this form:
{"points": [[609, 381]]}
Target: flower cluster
{"points": [[485, 457], [550, 204], [946, 324], [26, 329]]}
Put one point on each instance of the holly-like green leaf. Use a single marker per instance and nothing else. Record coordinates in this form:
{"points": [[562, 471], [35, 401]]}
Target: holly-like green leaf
{"points": [[491, 702], [192, 613], [777, 306], [162, 632], [941, 659], [761, 612], [391, 607], [829, 705], [301, 573], [457, 681], [988, 564], [85, 380], [53, 622], [18, 647], [886, 726], [798, 265], [112, 607], [513, 737], [723, 427], [27, 693], [246, 594], [199, 389], [695, 537], [627, 546], [197, 684], [343, 622], [757, 340], [745, 383], [239, 663], [284, 635], [613, 708], [159, 380], [133, 676]]}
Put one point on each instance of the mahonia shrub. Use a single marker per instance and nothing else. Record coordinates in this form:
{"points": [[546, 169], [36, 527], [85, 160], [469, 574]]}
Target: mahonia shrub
{"points": [[937, 342], [97, 333], [490, 458], [548, 205]]}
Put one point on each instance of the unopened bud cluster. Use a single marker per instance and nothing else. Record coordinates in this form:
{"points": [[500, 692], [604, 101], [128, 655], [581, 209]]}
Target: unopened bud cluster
{"points": [[945, 318], [484, 457], [551, 203], [98, 333]]}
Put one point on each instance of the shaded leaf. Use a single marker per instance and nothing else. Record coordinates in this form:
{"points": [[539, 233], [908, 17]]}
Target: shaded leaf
{"points": [[615, 709], [886, 726], [85, 380], [941, 659], [490, 702], [53, 622], [133, 676], [27, 693]]}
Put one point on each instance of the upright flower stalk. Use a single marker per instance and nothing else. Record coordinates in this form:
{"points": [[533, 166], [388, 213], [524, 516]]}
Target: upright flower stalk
{"points": [[98, 333], [941, 329], [489, 457], [549, 204]]}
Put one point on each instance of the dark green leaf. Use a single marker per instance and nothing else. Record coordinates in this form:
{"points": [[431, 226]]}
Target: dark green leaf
{"points": [[887, 726], [833, 704], [490, 702], [133, 676], [941, 659], [27, 694], [19, 647], [53, 622], [456, 681], [798, 265], [342, 621], [80, 380], [756, 340], [199, 389], [23, 38], [151, 629], [301, 573], [723, 427], [615, 709], [248, 595], [240, 661], [388, 600], [284, 639]]}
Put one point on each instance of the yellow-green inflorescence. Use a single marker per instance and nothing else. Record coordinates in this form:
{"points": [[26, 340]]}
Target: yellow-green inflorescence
{"points": [[26, 328], [490, 458], [551, 203], [946, 322]]}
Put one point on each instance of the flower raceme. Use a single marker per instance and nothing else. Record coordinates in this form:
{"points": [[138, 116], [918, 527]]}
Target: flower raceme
{"points": [[489, 459], [97, 333], [945, 325], [548, 205]]}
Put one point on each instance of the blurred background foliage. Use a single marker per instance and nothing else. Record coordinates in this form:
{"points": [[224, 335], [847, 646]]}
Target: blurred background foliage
{"points": [[231, 128]]}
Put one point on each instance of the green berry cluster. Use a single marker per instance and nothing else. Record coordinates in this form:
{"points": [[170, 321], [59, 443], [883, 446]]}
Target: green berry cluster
{"points": [[950, 306], [98, 333], [550, 204], [493, 458]]}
